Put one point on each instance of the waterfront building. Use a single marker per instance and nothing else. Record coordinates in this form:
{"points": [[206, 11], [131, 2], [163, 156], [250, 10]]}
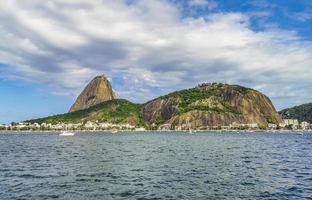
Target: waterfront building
{"points": [[293, 122], [165, 127], [272, 126], [90, 125], [305, 125], [140, 129]]}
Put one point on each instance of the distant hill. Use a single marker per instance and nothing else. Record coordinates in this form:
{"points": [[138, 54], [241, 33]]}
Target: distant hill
{"points": [[114, 111], [209, 104], [301, 112]]}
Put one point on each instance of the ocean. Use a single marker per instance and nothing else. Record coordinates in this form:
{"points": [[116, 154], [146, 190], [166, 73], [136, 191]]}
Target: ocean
{"points": [[156, 165]]}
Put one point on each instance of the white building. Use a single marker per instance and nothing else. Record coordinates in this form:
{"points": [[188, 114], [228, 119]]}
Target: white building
{"points": [[128, 126], [290, 122], [140, 129], [36, 125], [58, 126], [165, 127], [21, 125], [91, 125], [272, 126], [252, 125], [105, 125], [293, 122], [305, 125], [238, 125]]}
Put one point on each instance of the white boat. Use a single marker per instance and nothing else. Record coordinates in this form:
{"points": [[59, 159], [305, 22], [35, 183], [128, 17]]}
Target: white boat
{"points": [[114, 131], [66, 133]]}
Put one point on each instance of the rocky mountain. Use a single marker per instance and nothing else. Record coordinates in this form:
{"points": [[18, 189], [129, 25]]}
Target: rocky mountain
{"points": [[211, 105], [301, 112], [97, 91]]}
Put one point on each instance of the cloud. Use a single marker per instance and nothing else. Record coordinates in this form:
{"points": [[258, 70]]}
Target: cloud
{"points": [[210, 4], [263, 4], [148, 47], [259, 14], [305, 15]]}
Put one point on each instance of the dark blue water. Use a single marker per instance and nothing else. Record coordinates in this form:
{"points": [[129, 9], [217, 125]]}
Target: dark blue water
{"points": [[156, 166]]}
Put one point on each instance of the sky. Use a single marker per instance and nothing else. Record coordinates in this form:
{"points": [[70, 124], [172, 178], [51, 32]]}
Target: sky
{"points": [[49, 50]]}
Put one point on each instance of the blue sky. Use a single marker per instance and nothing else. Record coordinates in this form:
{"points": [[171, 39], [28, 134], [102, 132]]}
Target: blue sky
{"points": [[50, 50]]}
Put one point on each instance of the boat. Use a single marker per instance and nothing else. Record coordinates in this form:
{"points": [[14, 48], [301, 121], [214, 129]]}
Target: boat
{"points": [[66, 133], [114, 131]]}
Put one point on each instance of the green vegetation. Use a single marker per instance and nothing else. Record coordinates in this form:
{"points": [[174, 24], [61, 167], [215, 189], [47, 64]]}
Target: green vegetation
{"points": [[194, 94], [159, 120], [241, 89], [187, 98], [114, 111], [302, 113], [269, 119]]}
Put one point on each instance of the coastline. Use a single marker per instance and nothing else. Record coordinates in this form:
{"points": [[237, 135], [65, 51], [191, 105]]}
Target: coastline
{"points": [[153, 131]]}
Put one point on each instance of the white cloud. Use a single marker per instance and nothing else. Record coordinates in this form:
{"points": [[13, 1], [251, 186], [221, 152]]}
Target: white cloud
{"points": [[305, 15], [210, 4], [148, 45], [263, 4], [198, 2]]}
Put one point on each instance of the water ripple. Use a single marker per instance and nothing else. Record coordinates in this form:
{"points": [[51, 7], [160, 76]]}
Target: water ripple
{"points": [[156, 166]]}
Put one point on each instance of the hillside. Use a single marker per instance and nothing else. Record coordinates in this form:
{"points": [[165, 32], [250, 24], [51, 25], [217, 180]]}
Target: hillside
{"points": [[301, 112], [114, 111], [211, 104]]}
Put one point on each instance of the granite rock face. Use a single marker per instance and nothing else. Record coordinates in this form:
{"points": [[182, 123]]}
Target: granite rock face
{"points": [[97, 91], [213, 104]]}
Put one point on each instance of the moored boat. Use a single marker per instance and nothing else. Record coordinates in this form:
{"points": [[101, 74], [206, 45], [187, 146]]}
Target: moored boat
{"points": [[66, 133]]}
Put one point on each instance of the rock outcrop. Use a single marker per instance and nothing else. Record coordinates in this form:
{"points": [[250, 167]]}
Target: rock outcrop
{"points": [[211, 105], [97, 91]]}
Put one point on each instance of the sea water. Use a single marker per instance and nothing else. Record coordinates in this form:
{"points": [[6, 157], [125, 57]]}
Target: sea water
{"points": [[156, 165]]}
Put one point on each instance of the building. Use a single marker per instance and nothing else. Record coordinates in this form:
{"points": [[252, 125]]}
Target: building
{"points": [[91, 125], [58, 126], [236, 125], [165, 127], [140, 129], [253, 125], [281, 125], [2, 127], [272, 126], [105, 125], [305, 125], [291, 122], [294, 123]]}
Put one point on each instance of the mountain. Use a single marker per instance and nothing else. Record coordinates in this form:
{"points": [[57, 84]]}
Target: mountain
{"points": [[211, 105], [97, 91], [112, 111], [301, 112]]}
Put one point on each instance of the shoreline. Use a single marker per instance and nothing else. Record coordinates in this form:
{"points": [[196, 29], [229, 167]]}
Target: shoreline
{"points": [[155, 131]]}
